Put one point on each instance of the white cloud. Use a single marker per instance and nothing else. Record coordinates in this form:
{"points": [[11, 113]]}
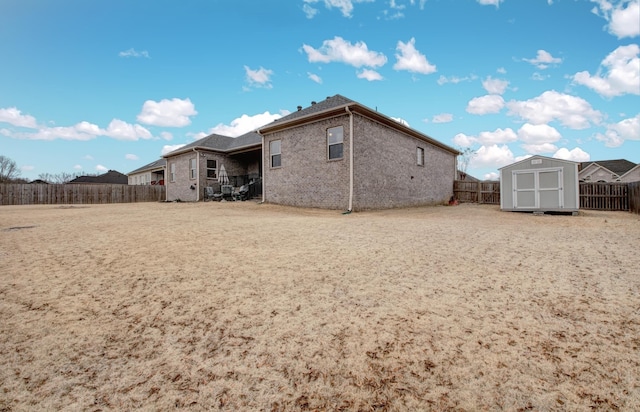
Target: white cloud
{"points": [[501, 70], [122, 130], [315, 78], [368, 74], [622, 18], [87, 157], [617, 133], [622, 75], [575, 155], [491, 176], [492, 156], [462, 140], [411, 59], [77, 167], [27, 168], [166, 135], [15, 117], [571, 111], [345, 6], [133, 53], [309, 11], [401, 121], [538, 134], [259, 78], [81, 131], [495, 86], [340, 50], [130, 156], [540, 148], [167, 113], [170, 148], [490, 2], [543, 59], [442, 118], [244, 124], [491, 103], [101, 168], [498, 136], [455, 80]]}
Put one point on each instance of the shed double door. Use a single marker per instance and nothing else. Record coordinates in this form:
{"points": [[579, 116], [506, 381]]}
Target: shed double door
{"points": [[538, 189]]}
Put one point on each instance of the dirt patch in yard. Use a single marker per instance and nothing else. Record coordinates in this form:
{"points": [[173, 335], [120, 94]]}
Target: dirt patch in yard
{"points": [[240, 306]]}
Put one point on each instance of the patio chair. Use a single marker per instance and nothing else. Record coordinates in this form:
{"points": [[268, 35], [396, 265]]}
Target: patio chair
{"points": [[242, 193], [227, 192], [211, 194]]}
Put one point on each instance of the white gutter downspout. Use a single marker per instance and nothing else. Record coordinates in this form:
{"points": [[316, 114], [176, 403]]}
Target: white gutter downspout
{"points": [[350, 160], [264, 195], [197, 174]]}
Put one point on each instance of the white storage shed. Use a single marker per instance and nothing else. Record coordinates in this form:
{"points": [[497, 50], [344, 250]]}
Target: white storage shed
{"points": [[540, 184]]}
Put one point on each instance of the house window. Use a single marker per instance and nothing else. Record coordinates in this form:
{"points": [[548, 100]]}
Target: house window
{"points": [[172, 172], [275, 152], [420, 156], [192, 168], [335, 142], [212, 169]]}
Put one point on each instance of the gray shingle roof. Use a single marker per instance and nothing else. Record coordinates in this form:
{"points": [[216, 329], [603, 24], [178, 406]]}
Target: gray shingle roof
{"points": [[221, 143], [618, 166], [153, 165], [112, 176], [329, 103]]}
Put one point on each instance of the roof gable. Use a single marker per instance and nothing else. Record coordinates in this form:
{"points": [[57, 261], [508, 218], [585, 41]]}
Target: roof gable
{"points": [[617, 166], [528, 159]]}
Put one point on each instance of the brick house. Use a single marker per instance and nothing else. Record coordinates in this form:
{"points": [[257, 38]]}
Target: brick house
{"points": [[196, 166], [339, 154], [149, 174]]}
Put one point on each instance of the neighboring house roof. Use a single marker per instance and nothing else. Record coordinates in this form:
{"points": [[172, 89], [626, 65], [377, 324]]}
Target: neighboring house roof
{"points": [[466, 176], [338, 104], [618, 166], [220, 143], [112, 177], [39, 182], [155, 165]]}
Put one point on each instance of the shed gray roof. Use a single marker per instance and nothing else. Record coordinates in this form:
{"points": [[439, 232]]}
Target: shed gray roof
{"points": [[618, 166], [157, 164], [220, 143]]}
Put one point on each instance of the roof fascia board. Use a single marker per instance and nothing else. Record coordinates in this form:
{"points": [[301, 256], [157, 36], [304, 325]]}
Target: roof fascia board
{"points": [[361, 110]]}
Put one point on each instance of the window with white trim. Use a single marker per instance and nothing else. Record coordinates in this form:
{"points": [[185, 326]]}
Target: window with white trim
{"points": [[276, 153], [172, 172], [192, 168], [212, 169], [335, 146], [420, 156]]}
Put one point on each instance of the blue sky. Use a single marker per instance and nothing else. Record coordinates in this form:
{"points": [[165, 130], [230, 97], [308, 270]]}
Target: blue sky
{"points": [[97, 85]]}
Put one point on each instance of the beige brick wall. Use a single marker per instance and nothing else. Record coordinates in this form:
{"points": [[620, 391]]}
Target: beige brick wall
{"points": [[236, 165], [386, 173], [307, 178]]}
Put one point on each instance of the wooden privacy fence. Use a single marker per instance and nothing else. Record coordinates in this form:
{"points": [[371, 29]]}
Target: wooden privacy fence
{"points": [[634, 197], [596, 196], [43, 194], [604, 196], [477, 192]]}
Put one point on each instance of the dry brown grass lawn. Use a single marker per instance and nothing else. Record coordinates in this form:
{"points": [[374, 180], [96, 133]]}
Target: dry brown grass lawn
{"points": [[240, 306]]}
